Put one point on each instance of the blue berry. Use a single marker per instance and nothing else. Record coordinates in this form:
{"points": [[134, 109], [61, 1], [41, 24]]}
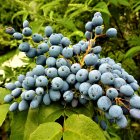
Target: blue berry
{"points": [[82, 42], [95, 91], [51, 62], [135, 101], [17, 36], [22, 95], [122, 122], [52, 72], [13, 106], [63, 71], [23, 105], [115, 111], [37, 38], [65, 42], [89, 26], [98, 30], [38, 98], [29, 81], [55, 39], [94, 75], [88, 35], [42, 48], [29, 95], [61, 62], [31, 53], [10, 86], [82, 100], [25, 23], [16, 92], [65, 87], [55, 95], [82, 75], [103, 124], [130, 78], [27, 31], [41, 81], [97, 49], [68, 96], [111, 32], [48, 31], [117, 72], [46, 99], [83, 88], [39, 70], [90, 59], [105, 67], [104, 103], [54, 51], [116, 67], [84, 47], [21, 77], [118, 82], [71, 79], [126, 90], [10, 30], [18, 84], [135, 113], [34, 104], [77, 85], [97, 21], [112, 93], [25, 86], [95, 118], [107, 78], [57, 83], [135, 86], [8, 98], [67, 52], [24, 47], [74, 103], [75, 67], [41, 60], [97, 14], [76, 48], [39, 90], [29, 74]]}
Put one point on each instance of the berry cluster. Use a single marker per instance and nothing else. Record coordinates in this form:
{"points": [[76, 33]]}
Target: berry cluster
{"points": [[73, 74]]}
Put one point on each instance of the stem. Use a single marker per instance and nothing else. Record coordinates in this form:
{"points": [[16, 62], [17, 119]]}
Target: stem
{"points": [[91, 41]]}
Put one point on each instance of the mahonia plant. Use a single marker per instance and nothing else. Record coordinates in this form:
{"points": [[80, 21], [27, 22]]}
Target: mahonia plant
{"points": [[73, 74]]}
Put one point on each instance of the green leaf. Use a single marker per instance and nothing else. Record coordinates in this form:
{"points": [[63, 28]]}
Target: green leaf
{"points": [[3, 112], [115, 2], [3, 92], [22, 12], [47, 131], [101, 7], [134, 40], [67, 23], [80, 127], [78, 110], [18, 125], [124, 2], [131, 52], [36, 26], [50, 113], [77, 33], [31, 123], [7, 56]]}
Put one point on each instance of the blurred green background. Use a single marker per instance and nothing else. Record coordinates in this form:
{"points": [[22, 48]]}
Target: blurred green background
{"points": [[69, 18]]}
